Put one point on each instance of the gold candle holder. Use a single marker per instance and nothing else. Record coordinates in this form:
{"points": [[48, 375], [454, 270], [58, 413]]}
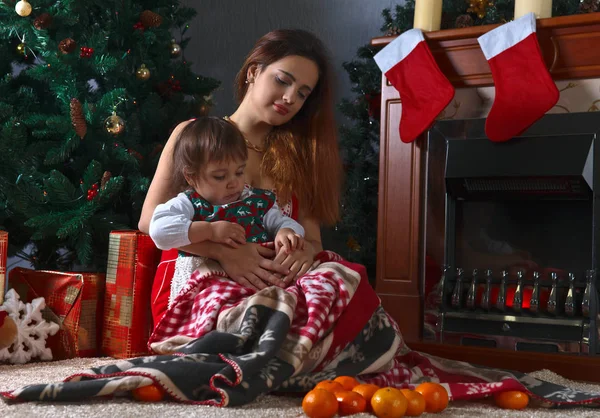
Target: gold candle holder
{"points": [[541, 8], [428, 15]]}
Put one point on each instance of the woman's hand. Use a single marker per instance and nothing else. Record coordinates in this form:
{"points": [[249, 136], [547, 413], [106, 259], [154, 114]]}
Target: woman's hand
{"points": [[298, 262], [251, 266]]}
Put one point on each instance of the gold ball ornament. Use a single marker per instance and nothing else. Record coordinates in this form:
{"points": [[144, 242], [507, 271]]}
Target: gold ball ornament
{"points": [[23, 8], [203, 109], [175, 49], [21, 48], [142, 73], [114, 125], [353, 244]]}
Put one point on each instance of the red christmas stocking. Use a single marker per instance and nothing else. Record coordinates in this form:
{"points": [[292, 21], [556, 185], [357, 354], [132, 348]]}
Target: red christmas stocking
{"points": [[424, 90], [525, 90]]}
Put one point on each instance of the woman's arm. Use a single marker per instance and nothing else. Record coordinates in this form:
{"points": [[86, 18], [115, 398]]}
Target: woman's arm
{"points": [[161, 188], [312, 232]]}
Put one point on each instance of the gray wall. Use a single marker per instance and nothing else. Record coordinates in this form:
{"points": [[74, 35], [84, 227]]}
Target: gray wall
{"points": [[225, 30]]}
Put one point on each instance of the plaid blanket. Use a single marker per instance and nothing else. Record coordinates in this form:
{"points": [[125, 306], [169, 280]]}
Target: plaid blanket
{"points": [[223, 345]]}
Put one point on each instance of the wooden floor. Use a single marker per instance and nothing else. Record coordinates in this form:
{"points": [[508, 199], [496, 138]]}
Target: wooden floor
{"points": [[583, 368]]}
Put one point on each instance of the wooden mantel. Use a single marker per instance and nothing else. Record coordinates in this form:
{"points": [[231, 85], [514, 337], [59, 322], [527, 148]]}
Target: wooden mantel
{"points": [[571, 49], [570, 46]]}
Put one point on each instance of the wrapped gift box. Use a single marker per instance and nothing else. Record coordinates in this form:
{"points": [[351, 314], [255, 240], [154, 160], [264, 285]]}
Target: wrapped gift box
{"points": [[75, 301], [3, 255], [132, 260]]}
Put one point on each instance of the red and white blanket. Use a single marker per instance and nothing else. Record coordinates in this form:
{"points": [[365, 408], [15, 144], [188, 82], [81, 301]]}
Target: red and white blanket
{"points": [[221, 344]]}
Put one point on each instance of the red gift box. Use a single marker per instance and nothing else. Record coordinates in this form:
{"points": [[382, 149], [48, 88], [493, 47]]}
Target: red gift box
{"points": [[132, 260], [3, 255], [74, 301]]}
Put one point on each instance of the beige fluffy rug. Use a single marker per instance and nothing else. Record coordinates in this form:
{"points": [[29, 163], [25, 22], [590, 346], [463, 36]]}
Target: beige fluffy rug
{"points": [[12, 377]]}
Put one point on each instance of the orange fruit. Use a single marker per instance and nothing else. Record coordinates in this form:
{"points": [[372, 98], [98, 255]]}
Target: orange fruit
{"points": [[348, 382], [512, 399], [436, 396], [389, 403], [366, 390], [150, 393], [350, 403], [416, 402], [320, 403], [330, 386]]}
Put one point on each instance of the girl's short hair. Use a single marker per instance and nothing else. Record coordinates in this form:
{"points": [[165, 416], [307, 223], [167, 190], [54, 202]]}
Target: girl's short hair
{"points": [[206, 139]]}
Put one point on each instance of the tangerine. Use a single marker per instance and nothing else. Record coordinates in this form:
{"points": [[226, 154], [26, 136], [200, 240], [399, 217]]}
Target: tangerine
{"points": [[512, 399], [436, 396], [416, 402], [150, 393], [350, 403], [348, 382], [330, 386], [389, 403], [320, 403], [366, 390]]}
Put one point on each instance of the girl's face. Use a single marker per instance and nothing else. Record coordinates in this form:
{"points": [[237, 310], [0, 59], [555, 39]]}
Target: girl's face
{"points": [[278, 91], [219, 182]]}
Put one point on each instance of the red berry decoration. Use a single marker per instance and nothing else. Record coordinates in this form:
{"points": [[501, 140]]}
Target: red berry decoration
{"points": [[174, 84], [86, 52], [92, 192], [139, 26], [135, 154]]}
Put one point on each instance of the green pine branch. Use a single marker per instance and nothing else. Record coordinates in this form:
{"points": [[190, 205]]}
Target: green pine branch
{"points": [[51, 188]]}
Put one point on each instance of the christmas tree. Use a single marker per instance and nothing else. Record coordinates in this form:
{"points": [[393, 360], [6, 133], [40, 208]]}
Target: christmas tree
{"points": [[360, 140], [89, 93]]}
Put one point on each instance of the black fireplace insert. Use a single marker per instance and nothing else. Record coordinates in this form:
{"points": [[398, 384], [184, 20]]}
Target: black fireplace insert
{"points": [[512, 235]]}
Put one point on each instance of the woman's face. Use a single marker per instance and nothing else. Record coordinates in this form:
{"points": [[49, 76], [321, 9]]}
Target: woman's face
{"points": [[278, 91]]}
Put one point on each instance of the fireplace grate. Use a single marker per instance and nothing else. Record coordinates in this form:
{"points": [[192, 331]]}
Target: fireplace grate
{"points": [[512, 312], [519, 184]]}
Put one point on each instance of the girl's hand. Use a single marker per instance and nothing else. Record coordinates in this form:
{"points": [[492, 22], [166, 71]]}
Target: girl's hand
{"points": [[228, 233], [288, 240], [250, 266], [298, 262]]}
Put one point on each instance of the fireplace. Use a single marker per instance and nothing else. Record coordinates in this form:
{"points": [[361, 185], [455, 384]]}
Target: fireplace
{"points": [[512, 235]]}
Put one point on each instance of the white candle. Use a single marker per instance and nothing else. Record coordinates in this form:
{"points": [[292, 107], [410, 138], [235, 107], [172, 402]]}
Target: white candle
{"points": [[428, 15], [541, 8]]}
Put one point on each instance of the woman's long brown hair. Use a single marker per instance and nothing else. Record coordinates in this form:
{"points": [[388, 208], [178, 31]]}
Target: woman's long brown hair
{"points": [[302, 156]]}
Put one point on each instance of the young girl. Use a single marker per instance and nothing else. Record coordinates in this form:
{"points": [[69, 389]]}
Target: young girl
{"points": [[286, 115], [209, 161]]}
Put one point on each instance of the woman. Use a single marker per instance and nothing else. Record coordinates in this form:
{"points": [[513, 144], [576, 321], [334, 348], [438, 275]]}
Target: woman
{"points": [[286, 116]]}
